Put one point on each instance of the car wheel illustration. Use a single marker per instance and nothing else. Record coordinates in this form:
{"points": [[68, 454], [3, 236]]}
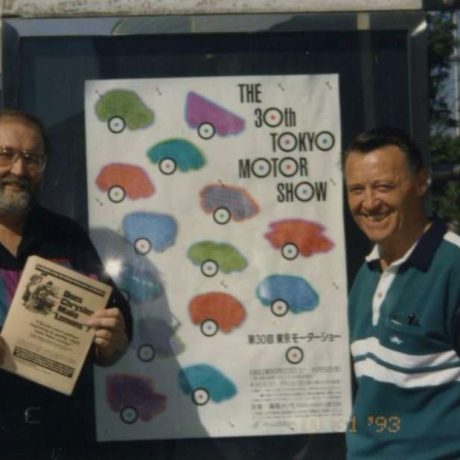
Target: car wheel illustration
{"points": [[325, 140], [116, 194], [167, 166], [273, 117], [146, 353], [142, 246], [279, 307], [294, 355], [206, 130], [200, 396], [116, 124], [129, 415], [209, 268], [222, 216], [290, 251], [209, 328]]}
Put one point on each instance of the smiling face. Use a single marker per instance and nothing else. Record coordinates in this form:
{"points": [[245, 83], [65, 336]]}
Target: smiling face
{"points": [[385, 198], [19, 185]]}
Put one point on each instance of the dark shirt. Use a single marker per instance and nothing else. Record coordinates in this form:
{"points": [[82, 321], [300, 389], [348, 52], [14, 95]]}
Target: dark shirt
{"points": [[30, 413]]}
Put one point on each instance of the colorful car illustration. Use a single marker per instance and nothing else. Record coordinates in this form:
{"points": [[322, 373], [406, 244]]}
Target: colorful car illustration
{"points": [[283, 293], [122, 108], [210, 118], [148, 230], [138, 285], [294, 236], [176, 153], [216, 311], [212, 257], [156, 337], [228, 202], [122, 180], [133, 397], [204, 382]]}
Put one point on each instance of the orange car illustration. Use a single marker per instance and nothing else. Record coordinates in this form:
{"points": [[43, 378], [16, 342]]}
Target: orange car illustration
{"points": [[298, 236], [122, 180], [216, 310]]}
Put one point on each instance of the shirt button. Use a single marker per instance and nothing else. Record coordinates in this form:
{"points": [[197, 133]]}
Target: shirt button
{"points": [[379, 295]]}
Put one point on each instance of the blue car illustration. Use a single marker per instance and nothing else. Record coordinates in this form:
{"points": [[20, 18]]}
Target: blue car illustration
{"points": [[286, 292], [156, 337], [148, 230], [137, 284], [176, 153], [204, 382]]}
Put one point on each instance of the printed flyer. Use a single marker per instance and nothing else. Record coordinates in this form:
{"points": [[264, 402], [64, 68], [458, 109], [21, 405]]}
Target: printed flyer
{"points": [[216, 206], [45, 326]]}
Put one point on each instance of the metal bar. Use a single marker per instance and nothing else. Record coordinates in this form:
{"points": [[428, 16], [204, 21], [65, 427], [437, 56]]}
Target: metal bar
{"points": [[72, 8], [446, 172]]}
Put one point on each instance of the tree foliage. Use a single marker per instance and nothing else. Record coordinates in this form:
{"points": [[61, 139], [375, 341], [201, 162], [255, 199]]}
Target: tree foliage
{"points": [[444, 146]]}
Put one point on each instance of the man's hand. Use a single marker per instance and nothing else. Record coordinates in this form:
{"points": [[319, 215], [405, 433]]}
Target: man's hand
{"points": [[110, 339]]}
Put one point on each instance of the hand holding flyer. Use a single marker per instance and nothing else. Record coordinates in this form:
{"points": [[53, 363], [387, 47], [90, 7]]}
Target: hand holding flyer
{"points": [[45, 330]]}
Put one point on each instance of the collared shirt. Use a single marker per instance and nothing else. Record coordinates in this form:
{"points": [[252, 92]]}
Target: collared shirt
{"points": [[63, 419], [403, 335]]}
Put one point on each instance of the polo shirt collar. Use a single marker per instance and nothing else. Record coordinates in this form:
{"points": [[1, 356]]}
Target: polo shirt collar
{"points": [[421, 253]]}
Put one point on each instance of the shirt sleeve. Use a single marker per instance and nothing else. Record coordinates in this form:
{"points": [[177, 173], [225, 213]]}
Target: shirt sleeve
{"points": [[88, 261]]}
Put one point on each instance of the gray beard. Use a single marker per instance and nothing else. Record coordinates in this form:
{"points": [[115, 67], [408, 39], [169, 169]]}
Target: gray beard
{"points": [[16, 203]]}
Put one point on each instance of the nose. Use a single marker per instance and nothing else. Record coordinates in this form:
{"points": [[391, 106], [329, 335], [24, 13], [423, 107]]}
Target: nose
{"points": [[370, 200], [19, 167]]}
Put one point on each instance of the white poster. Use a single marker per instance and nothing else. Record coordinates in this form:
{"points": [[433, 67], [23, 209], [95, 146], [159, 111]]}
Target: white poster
{"points": [[216, 205]]}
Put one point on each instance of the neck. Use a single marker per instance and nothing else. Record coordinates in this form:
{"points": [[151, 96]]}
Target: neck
{"points": [[393, 251]]}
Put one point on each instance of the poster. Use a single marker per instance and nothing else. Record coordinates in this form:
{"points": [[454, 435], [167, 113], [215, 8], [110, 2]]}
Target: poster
{"points": [[45, 329], [216, 205]]}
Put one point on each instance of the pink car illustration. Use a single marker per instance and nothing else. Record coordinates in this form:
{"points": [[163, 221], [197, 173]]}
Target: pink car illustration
{"points": [[210, 118]]}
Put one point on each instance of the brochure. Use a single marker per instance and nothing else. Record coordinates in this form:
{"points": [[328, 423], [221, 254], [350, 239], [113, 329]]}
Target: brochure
{"points": [[45, 329]]}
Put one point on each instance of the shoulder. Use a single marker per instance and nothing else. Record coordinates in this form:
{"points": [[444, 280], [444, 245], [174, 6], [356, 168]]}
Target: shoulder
{"points": [[449, 249], [453, 239], [55, 223]]}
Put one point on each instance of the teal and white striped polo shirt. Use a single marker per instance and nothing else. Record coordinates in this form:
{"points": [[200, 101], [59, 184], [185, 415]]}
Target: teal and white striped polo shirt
{"points": [[404, 330]]}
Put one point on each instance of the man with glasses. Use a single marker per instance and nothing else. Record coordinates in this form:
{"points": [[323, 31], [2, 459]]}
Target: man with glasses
{"points": [[36, 422]]}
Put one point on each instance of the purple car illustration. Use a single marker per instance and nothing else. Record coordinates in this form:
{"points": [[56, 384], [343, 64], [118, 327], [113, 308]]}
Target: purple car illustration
{"points": [[133, 397], [228, 202], [210, 118]]}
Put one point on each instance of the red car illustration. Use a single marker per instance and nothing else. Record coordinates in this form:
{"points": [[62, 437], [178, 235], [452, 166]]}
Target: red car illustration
{"points": [[122, 180], [216, 310], [294, 236]]}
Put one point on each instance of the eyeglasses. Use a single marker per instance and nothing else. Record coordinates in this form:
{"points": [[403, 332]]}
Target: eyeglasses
{"points": [[34, 163]]}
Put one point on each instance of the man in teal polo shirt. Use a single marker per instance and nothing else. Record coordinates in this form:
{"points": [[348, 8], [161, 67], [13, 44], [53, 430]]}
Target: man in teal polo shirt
{"points": [[403, 309]]}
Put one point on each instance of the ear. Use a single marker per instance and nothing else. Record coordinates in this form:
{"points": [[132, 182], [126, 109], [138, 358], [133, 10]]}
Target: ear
{"points": [[423, 181]]}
